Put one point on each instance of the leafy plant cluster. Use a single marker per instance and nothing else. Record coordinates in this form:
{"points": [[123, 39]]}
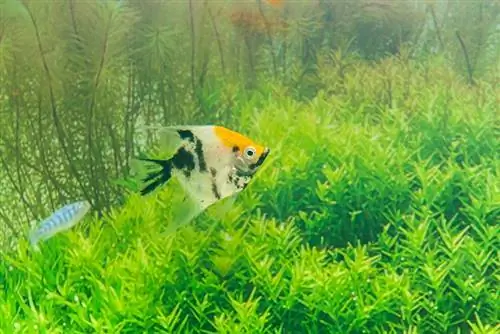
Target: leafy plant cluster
{"points": [[377, 210], [368, 217]]}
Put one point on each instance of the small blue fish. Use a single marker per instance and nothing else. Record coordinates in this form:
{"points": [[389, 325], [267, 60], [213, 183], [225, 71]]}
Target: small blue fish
{"points": [[61, 220]]}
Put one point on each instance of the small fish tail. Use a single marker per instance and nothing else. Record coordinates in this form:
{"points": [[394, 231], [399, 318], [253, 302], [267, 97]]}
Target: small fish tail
{"points": [[33, 239], [158, 178], [41, 234]]}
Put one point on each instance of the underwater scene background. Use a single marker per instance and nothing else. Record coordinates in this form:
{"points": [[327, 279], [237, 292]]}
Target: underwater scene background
{"points": [[376, 211]]}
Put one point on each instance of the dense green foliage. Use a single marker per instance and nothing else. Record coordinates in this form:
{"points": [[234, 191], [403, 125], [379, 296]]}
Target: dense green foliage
{"points": [[419, 188], [377, 211]]}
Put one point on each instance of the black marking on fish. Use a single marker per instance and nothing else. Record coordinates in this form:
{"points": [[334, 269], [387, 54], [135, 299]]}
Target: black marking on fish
{"points": [[198, 149], [215, 190], [213, 172], [199, 153], [186, 134], [159, 177], [236, 149], [237, 180], [245, 184], [184, 160]]}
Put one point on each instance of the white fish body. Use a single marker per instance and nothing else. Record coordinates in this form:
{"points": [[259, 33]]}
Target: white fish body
{"points": [[61, 220], [210, 162]]}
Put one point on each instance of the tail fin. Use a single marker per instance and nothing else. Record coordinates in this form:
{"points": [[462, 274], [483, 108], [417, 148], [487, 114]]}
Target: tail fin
{"points": [[158, 178]]}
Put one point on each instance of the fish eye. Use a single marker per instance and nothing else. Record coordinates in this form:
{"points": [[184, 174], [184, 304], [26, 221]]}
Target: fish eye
{"points": [[250, 152]]}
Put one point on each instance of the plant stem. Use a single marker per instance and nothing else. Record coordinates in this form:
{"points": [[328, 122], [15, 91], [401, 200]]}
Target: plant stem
{"points": [[467, 61]]}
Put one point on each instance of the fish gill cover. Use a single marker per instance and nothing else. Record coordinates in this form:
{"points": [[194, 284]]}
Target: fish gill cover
{"points": [[377, 210]]}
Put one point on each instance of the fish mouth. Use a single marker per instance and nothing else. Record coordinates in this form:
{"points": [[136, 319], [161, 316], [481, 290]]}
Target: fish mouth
{"points": [[250, 170], [262, 158]]}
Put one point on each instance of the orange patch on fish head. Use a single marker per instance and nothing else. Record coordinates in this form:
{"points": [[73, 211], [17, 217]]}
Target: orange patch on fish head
{"points": [[238, 143]]}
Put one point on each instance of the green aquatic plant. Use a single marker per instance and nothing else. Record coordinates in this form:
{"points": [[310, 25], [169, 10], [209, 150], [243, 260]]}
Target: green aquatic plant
{"points": [[377, 211], [360, 222]]}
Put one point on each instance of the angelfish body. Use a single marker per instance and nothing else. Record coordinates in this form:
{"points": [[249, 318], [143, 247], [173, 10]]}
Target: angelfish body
{"points": [[210, 162], [62, 219]]}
